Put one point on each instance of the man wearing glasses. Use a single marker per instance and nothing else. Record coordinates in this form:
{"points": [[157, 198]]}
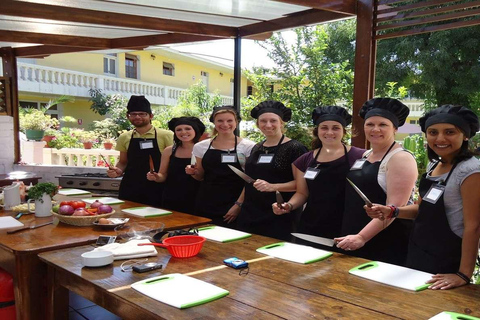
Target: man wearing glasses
{"points": [[140, 152]]}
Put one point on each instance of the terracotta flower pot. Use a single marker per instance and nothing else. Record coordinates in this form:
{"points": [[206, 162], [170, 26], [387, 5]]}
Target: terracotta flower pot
{"points": [[47, 139], [108, 145], [88, 145]]}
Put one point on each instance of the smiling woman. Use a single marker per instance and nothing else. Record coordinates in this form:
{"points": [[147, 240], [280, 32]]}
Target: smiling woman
{"points": [[220, 186]]}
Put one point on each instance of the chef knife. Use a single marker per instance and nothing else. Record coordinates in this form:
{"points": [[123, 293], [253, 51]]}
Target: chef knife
{"points": [[152, 167], [193, 161], [360, 193], [106, 162], [241, 174], [279, 197], [30, 227], [320, 240]]}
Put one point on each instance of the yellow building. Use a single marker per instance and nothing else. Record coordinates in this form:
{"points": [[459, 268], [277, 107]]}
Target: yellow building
{"points": [[161, 75]]}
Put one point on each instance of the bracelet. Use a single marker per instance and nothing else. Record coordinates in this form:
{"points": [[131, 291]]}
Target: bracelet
{"points": [[463, 276], [290, 205], [239, 203], [394, 211]]}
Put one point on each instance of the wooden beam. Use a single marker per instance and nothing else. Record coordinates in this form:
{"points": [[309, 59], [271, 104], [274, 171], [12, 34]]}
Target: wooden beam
{"points": [[364, 80], [52, 39], [145, 41], [426, 20], [42, 51], [302, 18], [339, 6], [63, 13], [417, 5], [414, 14], [415, 31]]}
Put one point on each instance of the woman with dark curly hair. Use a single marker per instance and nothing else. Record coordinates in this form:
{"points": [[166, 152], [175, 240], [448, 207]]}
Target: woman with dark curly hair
{"points": [[320, 175], [446, 230]]}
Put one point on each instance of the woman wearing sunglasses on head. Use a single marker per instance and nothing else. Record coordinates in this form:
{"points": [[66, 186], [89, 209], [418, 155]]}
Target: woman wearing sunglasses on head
{"points": [[220, 186], [446, 230]]}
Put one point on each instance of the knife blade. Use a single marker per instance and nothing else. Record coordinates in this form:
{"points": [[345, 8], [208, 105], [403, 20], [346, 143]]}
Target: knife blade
{"points": [[242, 174], [279, 197], [30, 227], [360, 193], [193, 161], [320, 240], [106, 162], [152, 167]]}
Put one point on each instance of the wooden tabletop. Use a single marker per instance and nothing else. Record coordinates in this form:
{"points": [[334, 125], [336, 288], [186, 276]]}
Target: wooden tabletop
{"points": [[64, 235], [273, 288]]}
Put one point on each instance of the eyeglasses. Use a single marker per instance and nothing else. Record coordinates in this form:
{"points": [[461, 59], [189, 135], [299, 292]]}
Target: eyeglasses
{"points": [[138, 114]]}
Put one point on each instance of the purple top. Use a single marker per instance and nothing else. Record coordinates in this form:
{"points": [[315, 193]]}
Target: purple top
{"points": [[306, 159]]}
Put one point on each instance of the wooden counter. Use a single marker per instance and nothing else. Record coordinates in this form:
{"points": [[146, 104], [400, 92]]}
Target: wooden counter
{"points": [[273, 288], [18, 251]]}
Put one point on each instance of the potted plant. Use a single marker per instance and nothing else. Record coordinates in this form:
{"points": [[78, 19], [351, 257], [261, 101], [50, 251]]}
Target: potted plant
{"points": [[86, 137], [34, 122], [48, 136], [42, 194], [108, 143]]}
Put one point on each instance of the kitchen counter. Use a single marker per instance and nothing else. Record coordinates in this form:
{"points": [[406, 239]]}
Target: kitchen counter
{"points": [[7, 179], [19, 251], [272, 289]]}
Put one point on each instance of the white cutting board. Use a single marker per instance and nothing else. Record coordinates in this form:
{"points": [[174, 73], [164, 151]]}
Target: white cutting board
{"points": [[222, 234], [294, 252], [73, 192], [393, 275], [446, 315], [9, 222], [179, 290], [146, 212], [104, 200]]}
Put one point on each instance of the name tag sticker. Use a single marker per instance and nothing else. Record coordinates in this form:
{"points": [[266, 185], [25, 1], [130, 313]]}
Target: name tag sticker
{"points": [[358, 164], [434, 193], [265, 158], [146, 144], [311, 173], [229, 158]]}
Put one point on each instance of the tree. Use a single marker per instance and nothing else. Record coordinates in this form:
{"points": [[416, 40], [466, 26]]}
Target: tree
{"points": [[442, 67]]}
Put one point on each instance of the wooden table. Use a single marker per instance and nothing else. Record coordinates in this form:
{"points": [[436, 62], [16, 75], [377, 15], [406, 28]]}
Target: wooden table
{"points": [[19, 251], [273, 288]]}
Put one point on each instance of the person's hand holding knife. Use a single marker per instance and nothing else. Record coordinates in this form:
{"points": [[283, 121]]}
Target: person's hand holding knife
{"points": [[112, 172]]}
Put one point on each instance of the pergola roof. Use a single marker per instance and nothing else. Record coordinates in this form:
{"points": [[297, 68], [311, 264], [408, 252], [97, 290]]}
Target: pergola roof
{"points": [[43, 27]]}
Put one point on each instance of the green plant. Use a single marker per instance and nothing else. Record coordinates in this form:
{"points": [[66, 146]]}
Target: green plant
{"points": [[34, 119], [85, 136], [36, 192], [417, 146]]}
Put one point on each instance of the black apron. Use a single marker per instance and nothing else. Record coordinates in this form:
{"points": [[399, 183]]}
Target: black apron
{"points": [[389, 245], [180, 189], [257, 215], [135, 186], [220, 187], [433, 246], [323, 214]]}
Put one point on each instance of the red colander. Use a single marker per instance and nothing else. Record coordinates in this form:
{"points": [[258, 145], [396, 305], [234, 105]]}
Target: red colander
{"points": [[181, 246]]}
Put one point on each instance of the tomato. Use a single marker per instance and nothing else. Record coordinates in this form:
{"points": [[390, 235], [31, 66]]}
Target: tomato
{"points": [[78, 204], [66, 203]]}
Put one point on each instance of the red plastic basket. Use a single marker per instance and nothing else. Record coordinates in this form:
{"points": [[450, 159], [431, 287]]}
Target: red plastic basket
{"points": [[184, 246]]}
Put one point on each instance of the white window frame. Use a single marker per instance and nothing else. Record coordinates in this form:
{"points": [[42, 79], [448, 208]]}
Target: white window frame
{"points": [[165, 65], [110, 57]]}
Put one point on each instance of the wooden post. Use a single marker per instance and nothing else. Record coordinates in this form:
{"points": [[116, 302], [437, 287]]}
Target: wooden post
{"points": [[365, 59], [10, 72]]}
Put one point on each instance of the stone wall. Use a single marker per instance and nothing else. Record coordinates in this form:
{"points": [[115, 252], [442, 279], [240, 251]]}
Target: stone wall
{"points": [[7, 154]]}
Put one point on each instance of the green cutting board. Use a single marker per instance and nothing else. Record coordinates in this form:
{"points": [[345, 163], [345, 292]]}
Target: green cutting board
{"points": [[179, 290], [294, 252]]}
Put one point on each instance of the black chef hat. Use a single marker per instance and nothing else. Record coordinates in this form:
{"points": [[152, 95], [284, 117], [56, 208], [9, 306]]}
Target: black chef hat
{"points": [[333, 113], [459, 116], [273, 107], [194, 122], [138, 103], [389, 108], [219, 108]]}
